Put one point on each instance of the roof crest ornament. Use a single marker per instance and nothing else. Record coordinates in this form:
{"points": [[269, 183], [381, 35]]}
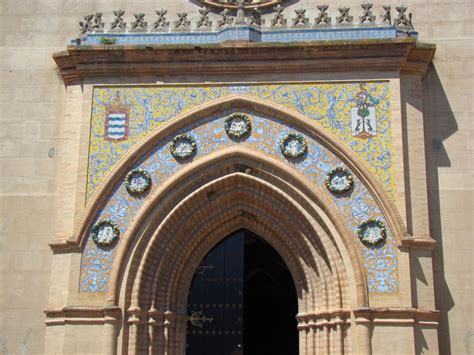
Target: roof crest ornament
{"points": [[301, 19], [242, 14], [182, 24], [118, 24], [279, 20], [204, 22], [367, 16], [139, 25], [226, 20], [323, 18], [161, 24], [345, 17]]}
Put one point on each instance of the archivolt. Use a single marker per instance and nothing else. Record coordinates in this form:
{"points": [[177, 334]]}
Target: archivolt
{"points": [[294, 193], [211, 198], [297, 120]]}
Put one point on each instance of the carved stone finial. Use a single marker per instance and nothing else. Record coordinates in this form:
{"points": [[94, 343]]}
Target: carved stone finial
{"points": [[367, 15], [86, 25], [182, 23], [256, 18], [323, 17], [139, 25], [226, 20], [240, 18], [345, 17], [118, 24], [387, 16], [402, 20], [161, 24], [279, 20], [98, 23], [204, 23], [300, 19]]}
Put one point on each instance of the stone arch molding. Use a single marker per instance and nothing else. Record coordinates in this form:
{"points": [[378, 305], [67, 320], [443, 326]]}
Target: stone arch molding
{"points": [[239, 186], [181, 224], [235, 102]]}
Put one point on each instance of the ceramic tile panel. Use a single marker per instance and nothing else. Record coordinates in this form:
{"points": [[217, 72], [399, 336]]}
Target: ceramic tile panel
{"points": [[330, 104]]}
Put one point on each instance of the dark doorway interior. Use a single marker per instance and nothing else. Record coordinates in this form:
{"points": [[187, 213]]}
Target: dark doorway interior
{"points": [[270, 302], [245, 295]]}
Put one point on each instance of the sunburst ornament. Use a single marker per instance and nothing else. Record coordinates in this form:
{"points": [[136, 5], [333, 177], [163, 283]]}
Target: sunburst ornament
{"points": [[236, 4], [372, 232], [137, 181], [105, 233], [238, 126], [293, 146], [183, 146], [339, 180]]}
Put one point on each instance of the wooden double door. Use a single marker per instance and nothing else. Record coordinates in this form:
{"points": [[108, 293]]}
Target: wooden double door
{"points": [[242, 301]]}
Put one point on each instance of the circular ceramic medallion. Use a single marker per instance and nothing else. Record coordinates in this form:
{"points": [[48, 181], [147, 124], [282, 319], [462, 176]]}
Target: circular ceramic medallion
{"points": [[238, 125], [105, 233], [372, 232], [293, 145], [339, 180], [137, 181], [183, 146]]}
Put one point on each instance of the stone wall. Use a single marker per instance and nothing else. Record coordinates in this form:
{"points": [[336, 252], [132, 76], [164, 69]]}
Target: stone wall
{"points": [[32, 114]]}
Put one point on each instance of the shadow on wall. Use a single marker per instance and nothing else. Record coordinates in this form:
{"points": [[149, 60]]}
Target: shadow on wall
{"points": [[439, 124]]}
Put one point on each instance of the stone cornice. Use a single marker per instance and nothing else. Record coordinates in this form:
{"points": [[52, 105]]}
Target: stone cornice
{"points": [[400, 54], [417, 242], [392, 315], [82, 315]]}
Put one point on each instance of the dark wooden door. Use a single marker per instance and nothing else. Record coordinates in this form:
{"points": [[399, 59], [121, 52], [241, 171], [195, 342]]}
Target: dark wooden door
{"points": [[215, 301]]}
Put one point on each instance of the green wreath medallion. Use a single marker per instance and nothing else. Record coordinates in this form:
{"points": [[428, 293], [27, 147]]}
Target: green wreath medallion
{"points": [[137, 181], [238, 125], [339, 180], [183, 146], [105, 232], [372, 232], [293, 145]]}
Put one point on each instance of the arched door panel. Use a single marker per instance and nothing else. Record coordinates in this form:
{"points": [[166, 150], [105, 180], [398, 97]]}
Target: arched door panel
{"points": [[242, 300]]}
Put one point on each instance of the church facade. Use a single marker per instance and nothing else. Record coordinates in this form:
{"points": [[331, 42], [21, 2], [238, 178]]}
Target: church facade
{"points": [[243, 177]]}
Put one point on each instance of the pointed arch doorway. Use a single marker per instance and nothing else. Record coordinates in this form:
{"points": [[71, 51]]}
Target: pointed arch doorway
{"points": [[240, 288]]}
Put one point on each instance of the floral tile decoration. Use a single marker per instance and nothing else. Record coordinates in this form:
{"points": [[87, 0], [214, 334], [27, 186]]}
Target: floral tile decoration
{"points": [[329, 104]]}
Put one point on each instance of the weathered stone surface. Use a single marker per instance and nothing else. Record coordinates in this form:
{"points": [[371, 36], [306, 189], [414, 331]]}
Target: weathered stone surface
{"points": [[33, 115]]}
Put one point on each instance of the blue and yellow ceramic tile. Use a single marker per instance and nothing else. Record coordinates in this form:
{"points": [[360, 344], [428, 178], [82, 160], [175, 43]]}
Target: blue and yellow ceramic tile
{"points": [[328, 103], [380, 262]]}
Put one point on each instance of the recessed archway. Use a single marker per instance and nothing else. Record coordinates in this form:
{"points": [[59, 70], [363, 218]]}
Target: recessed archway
{"points": [[182, 225], [218, 193]]}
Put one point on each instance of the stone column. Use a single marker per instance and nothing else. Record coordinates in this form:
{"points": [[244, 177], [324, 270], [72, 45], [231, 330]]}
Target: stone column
{"points": [[133, 324], [303, 333], [155, 332], [324, 337], [168, 333], [338, 337], [111, 318], [362, 331], [312, 332]]}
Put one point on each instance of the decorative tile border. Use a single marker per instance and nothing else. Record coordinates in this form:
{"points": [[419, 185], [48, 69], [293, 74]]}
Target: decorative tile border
{"points": [[358, 206], [246, 33], [330, 104]]}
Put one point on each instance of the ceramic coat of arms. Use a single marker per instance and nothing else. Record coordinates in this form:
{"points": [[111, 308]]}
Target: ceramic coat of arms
{"points": [[116, 122], [363, 116], [248, 4]]}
